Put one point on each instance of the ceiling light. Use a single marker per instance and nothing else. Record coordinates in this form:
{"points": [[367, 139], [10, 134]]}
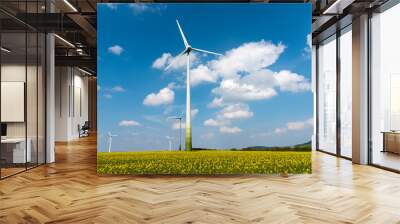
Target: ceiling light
{"points": [[64, 40], [84, 71], [337, 7], [70, 5], [5, 50]]}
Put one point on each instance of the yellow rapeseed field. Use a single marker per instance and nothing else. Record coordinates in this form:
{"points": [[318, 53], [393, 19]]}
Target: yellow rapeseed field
{"points": [[204, 162]]}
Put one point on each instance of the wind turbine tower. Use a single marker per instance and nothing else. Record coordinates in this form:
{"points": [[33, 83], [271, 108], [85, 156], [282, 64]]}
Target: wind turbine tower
{"points": [[187, 51], [109, 140], [170, 142]]}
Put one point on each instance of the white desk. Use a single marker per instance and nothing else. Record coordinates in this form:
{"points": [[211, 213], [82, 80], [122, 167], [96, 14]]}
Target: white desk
{"points": [[19, 153]]}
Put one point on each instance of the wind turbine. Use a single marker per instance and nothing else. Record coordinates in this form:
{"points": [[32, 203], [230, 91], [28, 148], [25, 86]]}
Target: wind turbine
{"points": [[180, 130], [187, 51], [170, 142], [109, 140]]}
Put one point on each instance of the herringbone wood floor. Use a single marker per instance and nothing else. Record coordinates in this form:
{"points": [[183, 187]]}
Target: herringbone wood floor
{"points": [[70, 191]]}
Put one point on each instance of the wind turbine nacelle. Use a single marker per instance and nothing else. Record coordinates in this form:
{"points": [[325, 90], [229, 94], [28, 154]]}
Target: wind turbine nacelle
{"points": [[188, 49]]}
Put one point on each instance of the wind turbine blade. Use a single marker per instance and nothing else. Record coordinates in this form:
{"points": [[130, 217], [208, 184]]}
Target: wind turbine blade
{"points": [[208, 52], [182, 34], [174, 60]]}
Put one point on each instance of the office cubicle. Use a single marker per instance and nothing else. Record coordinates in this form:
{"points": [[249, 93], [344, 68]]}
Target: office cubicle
{"points": [[22, 77]]}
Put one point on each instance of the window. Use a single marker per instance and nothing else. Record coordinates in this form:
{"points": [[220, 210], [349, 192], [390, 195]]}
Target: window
{"points": [[385, 88], [346, 92], [327, 95]]}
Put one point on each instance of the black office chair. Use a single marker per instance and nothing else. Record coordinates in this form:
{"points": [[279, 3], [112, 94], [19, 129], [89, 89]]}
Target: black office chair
{"points": [[84, 130]]}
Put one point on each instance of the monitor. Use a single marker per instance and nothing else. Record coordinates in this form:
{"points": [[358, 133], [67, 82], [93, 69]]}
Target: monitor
{"points": [[3, 129]]}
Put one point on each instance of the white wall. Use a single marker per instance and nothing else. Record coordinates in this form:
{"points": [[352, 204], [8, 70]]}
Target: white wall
{"points": [[71, 94]]}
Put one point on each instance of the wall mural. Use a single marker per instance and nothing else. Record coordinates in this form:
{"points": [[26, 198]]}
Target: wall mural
{"points": [[204, 89]]}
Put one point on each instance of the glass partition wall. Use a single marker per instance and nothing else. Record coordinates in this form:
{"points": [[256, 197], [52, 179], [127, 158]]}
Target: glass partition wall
{"points": [[334, 85], [327, 95], [334, 94], [385, 89], [345, 108], [22, 98]]}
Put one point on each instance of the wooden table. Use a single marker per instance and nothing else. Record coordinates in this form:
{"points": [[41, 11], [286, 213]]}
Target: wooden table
{"points": [[391, 141]]}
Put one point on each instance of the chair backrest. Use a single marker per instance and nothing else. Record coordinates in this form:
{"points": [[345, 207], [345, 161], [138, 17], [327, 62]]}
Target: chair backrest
{"points": [[86, 124]]}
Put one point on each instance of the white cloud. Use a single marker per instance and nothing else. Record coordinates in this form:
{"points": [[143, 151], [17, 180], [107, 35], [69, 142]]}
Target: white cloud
{"points": [[236, 111], [215, 122], [164, 96], [116, 49], [300, 125], [98, 88], [211, 122], [217, 102], [139, 8], [257, 86], [128, 123], [249, 57], [292, 126], [194, 112], [176, 125], [292, 82], [309, 41], [202, 74], [280, 130], [229, 130], [245, 76], [307, 49], [112, 6], [117, 89], [173, 85], [162, 61], [107, 96], [177, 62]]}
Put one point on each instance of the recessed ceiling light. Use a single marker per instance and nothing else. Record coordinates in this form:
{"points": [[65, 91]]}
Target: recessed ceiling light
{"points": [[70, 5], [64, 40], [337, 7], [84, 71], [5, 50]]}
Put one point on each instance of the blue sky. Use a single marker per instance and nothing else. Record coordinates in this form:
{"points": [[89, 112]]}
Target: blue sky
{"points": [[257, 93]]}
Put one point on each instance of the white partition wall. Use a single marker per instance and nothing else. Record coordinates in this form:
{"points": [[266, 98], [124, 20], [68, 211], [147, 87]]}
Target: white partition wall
{"points": [[71, 102]]}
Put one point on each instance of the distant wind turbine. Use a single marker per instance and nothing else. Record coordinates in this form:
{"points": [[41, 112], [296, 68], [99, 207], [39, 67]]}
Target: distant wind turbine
{"points": [[109, 140], [188, 49], [170, 142], [180, 130]]}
